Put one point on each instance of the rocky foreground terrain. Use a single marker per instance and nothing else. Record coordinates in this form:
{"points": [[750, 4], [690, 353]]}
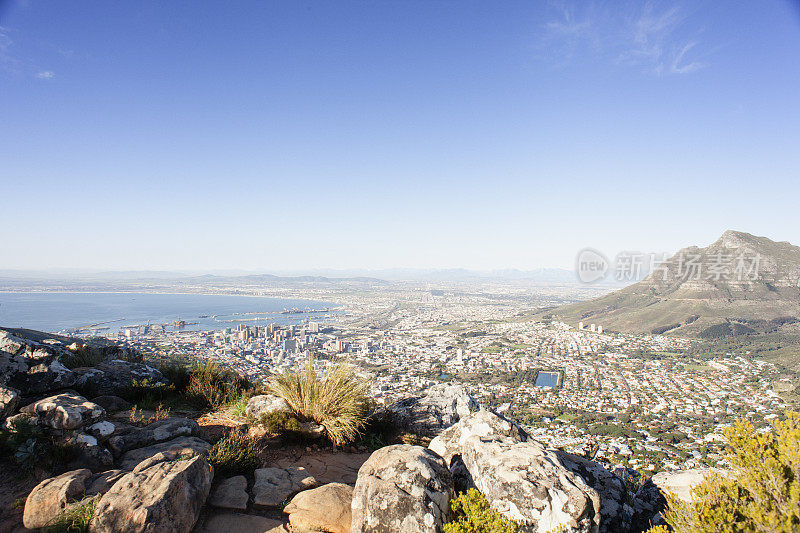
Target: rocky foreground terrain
{"points": [[157, 476]]}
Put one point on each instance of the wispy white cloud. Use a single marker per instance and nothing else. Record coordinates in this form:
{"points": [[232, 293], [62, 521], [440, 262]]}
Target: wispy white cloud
{"points": [[46, 75], [654, 38]]}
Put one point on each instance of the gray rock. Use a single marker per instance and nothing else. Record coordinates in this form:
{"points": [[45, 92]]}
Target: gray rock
{"points": [[111, 377], [265, 404], [105, 429], [401, 488], [439, 408], [164, 493], [67, 410], [615, 512], [34, 377], [482, 423], [231, 493], [529, 484], [111, 403], [180, 445], [9, 398], [11, 344], [91, 456], [156, 432], [273, 486], [680, 482], [52, 496]]}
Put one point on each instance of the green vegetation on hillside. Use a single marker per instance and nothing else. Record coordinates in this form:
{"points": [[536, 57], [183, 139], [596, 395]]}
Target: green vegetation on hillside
{"points": [[762, 492]]}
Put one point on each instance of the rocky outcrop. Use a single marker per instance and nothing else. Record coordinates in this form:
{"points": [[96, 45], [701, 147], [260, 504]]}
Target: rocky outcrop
{"points": [[482, 423], [67, 410], [529, 484], [265, 404], [439, 408], [273, 486], [163, 493], [52, 496], [231, 494], [33, 367], [615, 512], [180, 445], [9, 398], [109, 377], [401, 488], [326, 508], [167, 429]]}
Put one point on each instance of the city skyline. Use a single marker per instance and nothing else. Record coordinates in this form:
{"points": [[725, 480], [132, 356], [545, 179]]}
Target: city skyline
{"points": [[301, 136]]}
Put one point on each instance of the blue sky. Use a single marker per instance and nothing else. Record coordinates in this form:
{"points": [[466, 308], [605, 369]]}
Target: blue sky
{"points": [[294, 135]]}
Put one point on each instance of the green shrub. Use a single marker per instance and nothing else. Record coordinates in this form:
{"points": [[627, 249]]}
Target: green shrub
{"points": [[216, 386], [83, 357], [337, 401], [75, 518], [235, 453], [30, 447], [279, 422], [762, 492], [470, 512]]}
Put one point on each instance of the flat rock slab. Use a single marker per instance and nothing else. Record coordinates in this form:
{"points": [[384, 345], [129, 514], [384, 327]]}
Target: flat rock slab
{"points": [[65, 411], [327, 467], [180, 445], [241, 523], [230, 494], [156, 432], [274, 486]]}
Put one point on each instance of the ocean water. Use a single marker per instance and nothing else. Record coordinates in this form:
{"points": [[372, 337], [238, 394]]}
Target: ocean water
{"points": [[59, 311]]}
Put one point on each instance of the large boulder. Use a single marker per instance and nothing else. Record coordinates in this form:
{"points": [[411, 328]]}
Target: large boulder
{"points": [[529, 484], [401, 488], [67, 410], [439, 408], [266, 404], [52, 496], [160, 431], [273, 486], [162, 494], [482, 423], [326, 508], [180, 445]]}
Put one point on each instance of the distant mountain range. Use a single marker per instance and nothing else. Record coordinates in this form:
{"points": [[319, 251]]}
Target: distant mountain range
{"points": [[740, 284]]}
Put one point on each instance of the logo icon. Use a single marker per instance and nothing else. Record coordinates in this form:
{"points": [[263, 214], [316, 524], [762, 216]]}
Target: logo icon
{"points": [[591, 265]]}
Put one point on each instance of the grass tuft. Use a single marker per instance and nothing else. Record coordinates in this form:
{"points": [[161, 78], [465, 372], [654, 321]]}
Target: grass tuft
{"points": [[75, 518], [337, 401]]}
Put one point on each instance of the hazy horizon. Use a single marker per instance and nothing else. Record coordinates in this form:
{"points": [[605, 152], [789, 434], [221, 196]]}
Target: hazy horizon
{"points": [[279, 137]]}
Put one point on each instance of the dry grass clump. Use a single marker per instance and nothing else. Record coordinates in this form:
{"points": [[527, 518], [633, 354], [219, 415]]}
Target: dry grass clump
{"points": [[337, 400]]}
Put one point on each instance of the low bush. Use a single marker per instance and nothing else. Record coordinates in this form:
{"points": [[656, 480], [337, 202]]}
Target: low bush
{"points": [[30, 447], [761, 492], [234, 454], [470, 512], [85, 356], [337, 401], [216, 386]]}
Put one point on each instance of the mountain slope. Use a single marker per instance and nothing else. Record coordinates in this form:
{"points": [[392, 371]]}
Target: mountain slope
{"points": [[739, 284]]}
